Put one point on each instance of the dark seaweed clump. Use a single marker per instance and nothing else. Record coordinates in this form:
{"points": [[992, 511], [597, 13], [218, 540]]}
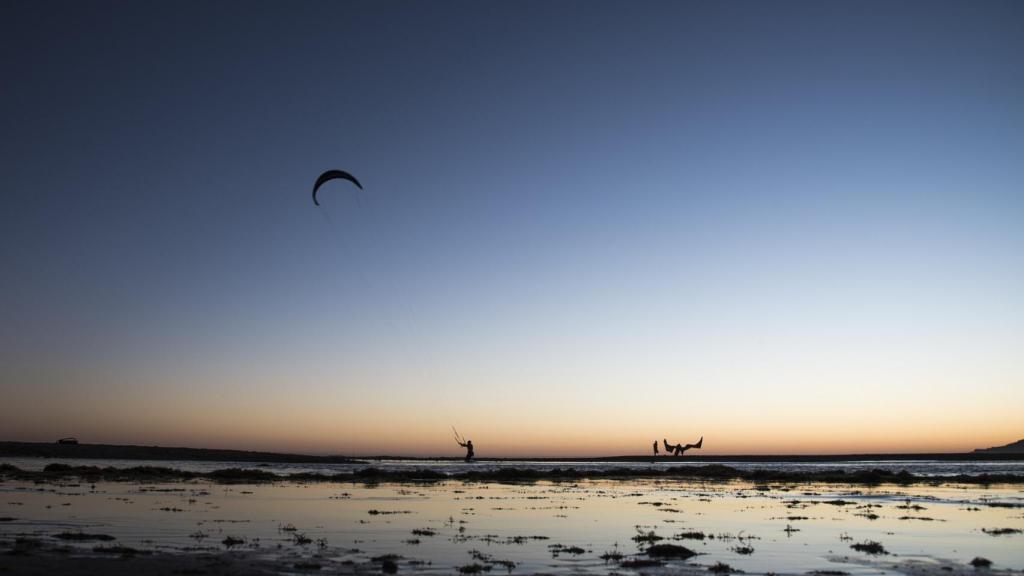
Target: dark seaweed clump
{"points": [[1000, 531], [557, 549], [670, 551], [143, 473], [716, 472], [869, 547], [648, 537], [121, 550], [24, 546], [640, 563], [83, 537], [980, 562]]}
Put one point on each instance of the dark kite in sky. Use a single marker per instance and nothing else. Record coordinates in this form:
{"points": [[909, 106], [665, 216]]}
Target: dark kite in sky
{"points": [[332, 175]]}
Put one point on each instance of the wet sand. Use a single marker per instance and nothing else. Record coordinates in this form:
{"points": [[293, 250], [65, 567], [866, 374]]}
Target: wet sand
{"points": [[68, 523]]}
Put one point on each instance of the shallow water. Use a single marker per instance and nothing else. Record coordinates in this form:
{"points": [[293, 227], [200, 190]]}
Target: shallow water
{"points": [[523, 523]]}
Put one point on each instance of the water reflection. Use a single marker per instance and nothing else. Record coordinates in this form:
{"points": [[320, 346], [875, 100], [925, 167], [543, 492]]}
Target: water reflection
{"points": [[540, 527]]}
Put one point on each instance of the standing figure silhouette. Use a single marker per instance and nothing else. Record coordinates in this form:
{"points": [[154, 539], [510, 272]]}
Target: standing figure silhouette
{"points": [[467, 444]]}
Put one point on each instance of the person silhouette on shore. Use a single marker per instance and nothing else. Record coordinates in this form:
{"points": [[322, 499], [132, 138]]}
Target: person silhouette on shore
{"points": [[468, 445], [655, 447], [679, 449]]}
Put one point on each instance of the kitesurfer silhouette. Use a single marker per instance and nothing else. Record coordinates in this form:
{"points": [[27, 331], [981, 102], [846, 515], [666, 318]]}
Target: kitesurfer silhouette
{"points": [[679, 449], [467, 444], [469, 449]]}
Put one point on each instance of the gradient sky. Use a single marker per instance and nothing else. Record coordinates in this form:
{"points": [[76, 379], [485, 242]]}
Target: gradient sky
{"points": [[790, 227]]}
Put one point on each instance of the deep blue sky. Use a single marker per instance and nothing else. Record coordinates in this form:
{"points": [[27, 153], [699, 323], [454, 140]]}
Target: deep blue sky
{"points": [[579, 211]]}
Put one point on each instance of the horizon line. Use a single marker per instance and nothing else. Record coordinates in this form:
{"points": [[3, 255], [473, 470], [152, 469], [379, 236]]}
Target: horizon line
{"points": [[521, 456]]}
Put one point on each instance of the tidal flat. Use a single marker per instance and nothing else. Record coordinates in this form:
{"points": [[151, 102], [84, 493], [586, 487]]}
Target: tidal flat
{"points": [[77, 524]]}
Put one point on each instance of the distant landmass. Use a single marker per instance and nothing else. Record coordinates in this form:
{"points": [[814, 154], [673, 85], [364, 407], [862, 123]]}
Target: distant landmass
{"points": [[113, 452], [1012, 448], [69, 448]]}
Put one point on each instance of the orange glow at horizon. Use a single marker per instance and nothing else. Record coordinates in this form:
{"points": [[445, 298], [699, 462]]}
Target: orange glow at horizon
{"points": [[319, 431], [577, 407]]}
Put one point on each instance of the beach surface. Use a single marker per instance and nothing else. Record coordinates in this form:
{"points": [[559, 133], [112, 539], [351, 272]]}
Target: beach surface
{"points": [[71, 519]]}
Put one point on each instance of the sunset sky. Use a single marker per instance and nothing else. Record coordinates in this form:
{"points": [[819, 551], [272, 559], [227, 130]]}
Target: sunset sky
{"points": [[791, 227]]}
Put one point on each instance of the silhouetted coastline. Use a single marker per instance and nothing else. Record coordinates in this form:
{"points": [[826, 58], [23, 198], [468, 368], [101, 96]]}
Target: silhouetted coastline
{"points": [[131, 452], [1011, 448], [128, 452]]}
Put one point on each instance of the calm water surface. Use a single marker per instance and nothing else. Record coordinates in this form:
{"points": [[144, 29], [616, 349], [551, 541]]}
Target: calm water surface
{"points": [[786, 529]]}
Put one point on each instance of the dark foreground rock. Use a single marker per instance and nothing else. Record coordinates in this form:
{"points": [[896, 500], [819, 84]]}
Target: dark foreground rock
{"points": [[35, 558]]}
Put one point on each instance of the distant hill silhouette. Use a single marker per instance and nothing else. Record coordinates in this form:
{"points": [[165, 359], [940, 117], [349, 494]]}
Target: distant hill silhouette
{"points": [[115, 452], [1012, 448]]}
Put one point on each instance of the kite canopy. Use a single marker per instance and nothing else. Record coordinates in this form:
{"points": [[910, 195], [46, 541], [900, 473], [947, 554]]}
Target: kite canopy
{"points": [[333, 175]]}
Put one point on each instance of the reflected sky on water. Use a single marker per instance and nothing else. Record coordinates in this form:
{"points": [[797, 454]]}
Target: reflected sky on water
{"points": [[779, 528]]}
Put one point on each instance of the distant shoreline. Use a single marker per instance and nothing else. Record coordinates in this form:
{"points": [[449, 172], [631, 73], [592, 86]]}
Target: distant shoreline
{"points": [[129, 452], [709, 472]]}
